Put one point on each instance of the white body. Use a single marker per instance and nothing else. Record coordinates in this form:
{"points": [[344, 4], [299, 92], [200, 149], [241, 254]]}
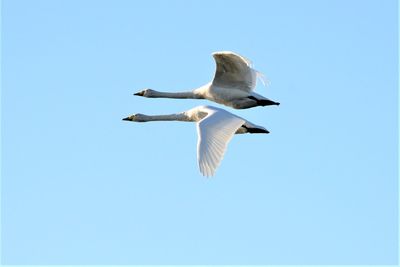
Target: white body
{"points": [[215, 128], [233, 84]]}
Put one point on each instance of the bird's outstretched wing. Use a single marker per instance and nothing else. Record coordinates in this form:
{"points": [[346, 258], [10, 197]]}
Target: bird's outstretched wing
{"points": [[214, 133], [234, 71]]}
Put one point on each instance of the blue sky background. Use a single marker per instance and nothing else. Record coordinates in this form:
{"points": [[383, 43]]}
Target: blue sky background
{"points": [[80, 186]]}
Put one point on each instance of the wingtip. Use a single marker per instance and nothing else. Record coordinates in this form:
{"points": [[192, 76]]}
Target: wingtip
{"points": [[231, 53], [216, 53], [206, 171], [207, 175]]}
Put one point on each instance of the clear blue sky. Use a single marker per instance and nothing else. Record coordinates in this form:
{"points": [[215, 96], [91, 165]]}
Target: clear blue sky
{"points": [[80, 186]]}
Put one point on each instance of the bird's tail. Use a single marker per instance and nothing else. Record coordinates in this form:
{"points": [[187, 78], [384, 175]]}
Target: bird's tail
{"points": [[262, 78]]}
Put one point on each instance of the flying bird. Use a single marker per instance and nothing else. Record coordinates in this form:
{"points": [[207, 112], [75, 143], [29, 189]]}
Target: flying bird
{"points": [[215, 128], [233, 84]]}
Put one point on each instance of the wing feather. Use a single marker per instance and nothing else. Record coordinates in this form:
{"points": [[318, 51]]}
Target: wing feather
{"points": [[234, 71], [215, 131]]}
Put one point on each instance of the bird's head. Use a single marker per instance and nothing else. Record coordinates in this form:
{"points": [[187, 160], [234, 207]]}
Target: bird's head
{"points": [[146, 93], [135, 117]]}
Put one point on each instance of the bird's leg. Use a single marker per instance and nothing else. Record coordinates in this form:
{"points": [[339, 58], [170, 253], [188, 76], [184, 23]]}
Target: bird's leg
{"points": [[264, 102]]}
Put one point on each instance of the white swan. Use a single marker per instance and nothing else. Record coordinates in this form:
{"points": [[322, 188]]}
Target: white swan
{"points": [[215, 128], [233, 84]]}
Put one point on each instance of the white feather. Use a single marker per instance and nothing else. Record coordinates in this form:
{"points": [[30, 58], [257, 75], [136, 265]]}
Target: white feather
{"points": [[215, 128], [234, 71], [214, 133], [233, 84]]}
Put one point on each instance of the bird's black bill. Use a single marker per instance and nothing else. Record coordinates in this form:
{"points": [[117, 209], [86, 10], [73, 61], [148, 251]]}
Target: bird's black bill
{"points": [[126, 119], [139, 94]]}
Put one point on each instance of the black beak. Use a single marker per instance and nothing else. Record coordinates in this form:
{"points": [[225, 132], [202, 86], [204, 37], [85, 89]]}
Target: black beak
{"points": [[139, 93], [126, 119]]}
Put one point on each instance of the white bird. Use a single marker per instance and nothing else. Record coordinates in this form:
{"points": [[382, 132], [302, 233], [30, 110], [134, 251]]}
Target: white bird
{"points": [[215, 128], [233, 84]]}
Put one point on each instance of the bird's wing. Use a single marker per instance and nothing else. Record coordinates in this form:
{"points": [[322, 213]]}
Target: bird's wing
{"points": [[214, 133], [234, 71]]}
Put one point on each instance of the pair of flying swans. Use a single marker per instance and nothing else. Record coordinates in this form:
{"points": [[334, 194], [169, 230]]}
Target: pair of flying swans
{"points": [[233, 85]]}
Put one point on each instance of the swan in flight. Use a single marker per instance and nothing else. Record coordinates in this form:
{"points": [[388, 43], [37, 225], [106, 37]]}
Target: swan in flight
{"points": [[215, 128], [233, 84]]}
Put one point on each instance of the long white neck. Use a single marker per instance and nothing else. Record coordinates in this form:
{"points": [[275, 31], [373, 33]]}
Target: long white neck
{"points": [[188, 95], [170, 117]]}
